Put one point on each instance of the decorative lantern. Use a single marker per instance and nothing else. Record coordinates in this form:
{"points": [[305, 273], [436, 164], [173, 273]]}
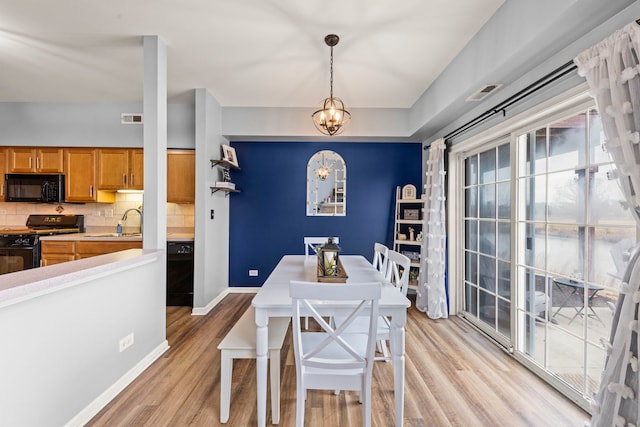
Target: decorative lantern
{"points": [[329, 266]]}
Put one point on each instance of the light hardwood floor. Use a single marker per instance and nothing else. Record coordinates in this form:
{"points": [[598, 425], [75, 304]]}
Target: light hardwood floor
{"points": [[454, 377]]}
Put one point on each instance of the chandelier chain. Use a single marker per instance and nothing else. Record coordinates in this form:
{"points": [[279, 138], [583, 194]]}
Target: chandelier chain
{"points": [[331, 73]]}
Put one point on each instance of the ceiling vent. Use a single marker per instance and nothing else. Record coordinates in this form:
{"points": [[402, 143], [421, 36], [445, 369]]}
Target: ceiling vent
{"points": [[484, 92], [131, 118]]}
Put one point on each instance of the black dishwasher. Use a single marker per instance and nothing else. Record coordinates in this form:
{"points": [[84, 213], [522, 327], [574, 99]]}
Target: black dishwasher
{"points": [[180, 273]]}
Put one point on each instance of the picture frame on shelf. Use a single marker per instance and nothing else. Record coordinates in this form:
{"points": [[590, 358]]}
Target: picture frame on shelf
{"points": [[229, 154], [409, 192]]}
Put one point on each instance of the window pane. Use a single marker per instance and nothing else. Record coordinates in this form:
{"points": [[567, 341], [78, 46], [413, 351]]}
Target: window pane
{"points": [[504, 317], [609, 247], [504, 200], [488, 166], [535, 246], [604, 200], [487, 308], [471, 200], [504, 240], [471, 267], [567, 141], [562, 348], [535, 196], [488, 237], [471, 235], [504, 163], [535, 338], [488, 201], [536, 150], [471, 171], [504, 279], [565, 256], [566, 202], [471, 299], [487, 273]]}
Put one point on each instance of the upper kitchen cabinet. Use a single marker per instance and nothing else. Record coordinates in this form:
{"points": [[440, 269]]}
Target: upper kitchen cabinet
{"points": [[3, 170], [35, 160], [120, 168], [136, 169], [181, 176], [80, 174]]}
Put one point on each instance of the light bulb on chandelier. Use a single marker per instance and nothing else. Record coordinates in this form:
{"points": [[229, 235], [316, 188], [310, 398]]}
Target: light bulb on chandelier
{"points": [[332, 115]]}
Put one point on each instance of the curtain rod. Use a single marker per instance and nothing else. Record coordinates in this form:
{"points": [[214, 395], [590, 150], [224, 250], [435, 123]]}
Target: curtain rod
{"points": [[502, 106]]}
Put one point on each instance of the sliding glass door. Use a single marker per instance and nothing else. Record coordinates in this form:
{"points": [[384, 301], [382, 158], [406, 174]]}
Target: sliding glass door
{"points": [[543, 246], [487, 248]]}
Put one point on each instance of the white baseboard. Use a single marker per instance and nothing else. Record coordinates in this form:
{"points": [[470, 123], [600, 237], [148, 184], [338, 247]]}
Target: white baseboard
{"points": [[201, 311], [101, 401]]}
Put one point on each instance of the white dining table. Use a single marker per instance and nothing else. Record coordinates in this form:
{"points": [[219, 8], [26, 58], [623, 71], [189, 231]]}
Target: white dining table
{"points": [[272, 300]]}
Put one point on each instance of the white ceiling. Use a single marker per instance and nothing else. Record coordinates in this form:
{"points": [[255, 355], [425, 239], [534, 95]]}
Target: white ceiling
{"points": [[247, 53]]}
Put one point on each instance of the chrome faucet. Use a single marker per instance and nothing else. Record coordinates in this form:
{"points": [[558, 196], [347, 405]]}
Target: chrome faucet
{"points": [[139, 211]]}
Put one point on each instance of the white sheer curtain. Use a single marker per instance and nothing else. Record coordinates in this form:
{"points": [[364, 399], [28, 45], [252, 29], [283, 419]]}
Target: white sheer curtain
{"points": [[431, 296], [612, 70]]}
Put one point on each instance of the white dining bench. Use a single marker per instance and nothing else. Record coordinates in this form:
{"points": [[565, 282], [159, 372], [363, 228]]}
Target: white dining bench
{"points": [[240, 343]]}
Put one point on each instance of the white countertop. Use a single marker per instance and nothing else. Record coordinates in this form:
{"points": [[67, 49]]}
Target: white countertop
{"points": [[27, 284], [99, 236]]}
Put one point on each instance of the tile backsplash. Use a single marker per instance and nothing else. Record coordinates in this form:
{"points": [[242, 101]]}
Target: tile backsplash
{"points": [[99, 216]]}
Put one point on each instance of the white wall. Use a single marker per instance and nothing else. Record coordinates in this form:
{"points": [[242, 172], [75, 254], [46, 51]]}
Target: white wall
{"points": [[60, 351], [211, 258], [87, 125]]}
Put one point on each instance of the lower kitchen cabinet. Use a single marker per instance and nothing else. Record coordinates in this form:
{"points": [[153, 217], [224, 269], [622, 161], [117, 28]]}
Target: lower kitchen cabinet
{"points": [[87, 249], [58, 251]]}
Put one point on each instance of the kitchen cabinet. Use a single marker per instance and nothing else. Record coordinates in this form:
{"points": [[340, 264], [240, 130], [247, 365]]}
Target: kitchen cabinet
{"points": [[181, 176], [35, 160], [80, 174], [3, 170], [136, 169], [58, 251], [87, 249], [120, 168]]}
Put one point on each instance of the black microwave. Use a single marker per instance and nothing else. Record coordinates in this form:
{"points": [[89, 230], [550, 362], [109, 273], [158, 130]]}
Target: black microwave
{"points": [[26, 187]]}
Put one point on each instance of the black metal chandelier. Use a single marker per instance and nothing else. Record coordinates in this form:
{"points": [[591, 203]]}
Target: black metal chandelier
{"points": [[332, 115]]}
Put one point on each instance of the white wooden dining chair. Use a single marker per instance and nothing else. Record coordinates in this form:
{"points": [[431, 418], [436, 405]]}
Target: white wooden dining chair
{"points": [[310, 246], [398, 271], [380, 258], [398, 276], [334, 359]]}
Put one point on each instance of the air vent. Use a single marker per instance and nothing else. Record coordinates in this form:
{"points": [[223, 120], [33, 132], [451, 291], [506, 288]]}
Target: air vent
{"points": [[130, 118], [484, 92]]}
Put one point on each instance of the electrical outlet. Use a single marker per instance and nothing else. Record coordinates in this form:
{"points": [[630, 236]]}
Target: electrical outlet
{"points": [[108, 213], [126, 342], [212, 213], [253, 273]]}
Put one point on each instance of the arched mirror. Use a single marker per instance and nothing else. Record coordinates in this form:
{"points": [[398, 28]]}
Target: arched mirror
{"points": [[326, 184]]}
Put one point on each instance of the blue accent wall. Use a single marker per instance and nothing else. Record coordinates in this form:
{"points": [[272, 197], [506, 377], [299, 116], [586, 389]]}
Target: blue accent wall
{"points": [[268, 217]]}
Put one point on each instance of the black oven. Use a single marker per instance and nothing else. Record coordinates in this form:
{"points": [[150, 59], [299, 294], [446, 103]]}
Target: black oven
{"points": [[20, 248], [19, 252]]}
